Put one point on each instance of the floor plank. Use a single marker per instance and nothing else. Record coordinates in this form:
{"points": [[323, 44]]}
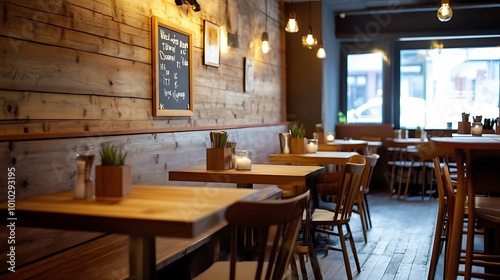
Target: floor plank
{"points": [[399, 244]]}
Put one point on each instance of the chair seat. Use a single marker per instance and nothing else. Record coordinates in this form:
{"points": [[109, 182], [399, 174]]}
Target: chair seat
{"points": [[219, 271], [325, 217]]}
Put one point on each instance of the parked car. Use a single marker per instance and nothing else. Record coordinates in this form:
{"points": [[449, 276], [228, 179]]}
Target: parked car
{"points": [[412, 112]]}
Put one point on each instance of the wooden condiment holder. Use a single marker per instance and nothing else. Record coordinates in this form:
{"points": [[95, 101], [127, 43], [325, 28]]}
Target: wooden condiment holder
{"points": [[463, 128], [219, 158]]}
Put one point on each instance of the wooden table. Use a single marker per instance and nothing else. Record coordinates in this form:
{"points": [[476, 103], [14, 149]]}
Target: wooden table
{"points": [[466, 150], [318, 158], [344, 145], [148, 212], [260, 174]]}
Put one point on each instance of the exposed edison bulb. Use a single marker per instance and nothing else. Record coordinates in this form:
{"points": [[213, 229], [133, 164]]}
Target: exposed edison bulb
{"points": [[291, 25], [265, 43], [444, 13], [321, 53], [309, 41]]}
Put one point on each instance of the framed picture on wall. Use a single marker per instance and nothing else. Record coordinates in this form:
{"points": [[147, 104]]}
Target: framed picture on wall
{"points": [[211, 41], [249, 70]]}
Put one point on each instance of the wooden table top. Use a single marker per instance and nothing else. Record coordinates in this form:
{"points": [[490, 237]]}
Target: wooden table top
{"points": [[173, 211], [475, 143], [341, 144], [260, 174], [318, 158]]}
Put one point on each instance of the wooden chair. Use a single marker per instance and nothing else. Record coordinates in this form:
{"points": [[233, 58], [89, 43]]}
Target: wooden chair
{"points": [[278, 221], [326, 220], [403, 165], [486, 211], [361, 204], [446, 200]]}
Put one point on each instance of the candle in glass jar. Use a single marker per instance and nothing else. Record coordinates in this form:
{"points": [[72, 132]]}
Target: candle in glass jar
{"points": [[330, 138], [311, 146], [243, 163], [243, 160], [477, 129]]}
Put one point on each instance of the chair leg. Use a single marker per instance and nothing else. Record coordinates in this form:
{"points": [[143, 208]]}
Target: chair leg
{"points": [[437, 244], [362, 218], [353, 247], [314, 259], [303, 266], [293, 267], [369, 218], [344, 252]]}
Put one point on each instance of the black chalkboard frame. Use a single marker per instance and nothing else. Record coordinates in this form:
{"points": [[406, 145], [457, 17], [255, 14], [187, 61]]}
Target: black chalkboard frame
{"points": [[158, 23]]}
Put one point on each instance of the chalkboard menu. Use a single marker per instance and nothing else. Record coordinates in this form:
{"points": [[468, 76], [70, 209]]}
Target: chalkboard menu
{"points": [[172, 71]]}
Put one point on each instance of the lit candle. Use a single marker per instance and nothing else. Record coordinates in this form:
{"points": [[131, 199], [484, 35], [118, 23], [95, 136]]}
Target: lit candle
{"points": [[243, 163], [311, 147], [330, 138], [477, 129]]}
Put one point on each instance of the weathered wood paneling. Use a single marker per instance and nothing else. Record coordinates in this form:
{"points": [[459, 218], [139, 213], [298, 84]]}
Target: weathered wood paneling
{"points": [[71, 67], [102, 48]]}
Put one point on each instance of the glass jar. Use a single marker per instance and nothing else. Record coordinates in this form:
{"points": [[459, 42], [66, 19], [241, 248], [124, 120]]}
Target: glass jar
{"points": [[243, 160], [311, 146], [476, 129]]}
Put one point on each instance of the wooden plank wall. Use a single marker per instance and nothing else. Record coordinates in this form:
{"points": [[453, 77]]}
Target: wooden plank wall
{"points": [[77, 73]]}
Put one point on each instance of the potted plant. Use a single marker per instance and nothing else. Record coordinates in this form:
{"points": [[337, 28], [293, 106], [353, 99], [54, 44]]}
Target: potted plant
{"points": [[418, 132], [320, 133], [298, 140], [113, 178]]}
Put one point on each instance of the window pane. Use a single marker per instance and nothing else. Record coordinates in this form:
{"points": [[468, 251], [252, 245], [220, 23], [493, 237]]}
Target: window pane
{"points": [[364, 88], [437, 85]]}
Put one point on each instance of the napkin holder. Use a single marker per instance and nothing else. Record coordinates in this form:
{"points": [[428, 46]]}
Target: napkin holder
{"points": [[463, 128], [219, 158]]}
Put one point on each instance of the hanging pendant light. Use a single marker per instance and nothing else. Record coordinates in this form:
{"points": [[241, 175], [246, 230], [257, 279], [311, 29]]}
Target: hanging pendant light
{"points": [[309, 41], [445, 12], [265, 43], [292, 25], [321, 53], [265, 38]]}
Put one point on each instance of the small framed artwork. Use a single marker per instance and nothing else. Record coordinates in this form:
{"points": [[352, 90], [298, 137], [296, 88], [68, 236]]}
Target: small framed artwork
{"points": [[211, 50], [249, 69]]}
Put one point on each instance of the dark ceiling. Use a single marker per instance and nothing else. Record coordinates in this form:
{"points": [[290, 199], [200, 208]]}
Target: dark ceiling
{"points": [[361, 5]]}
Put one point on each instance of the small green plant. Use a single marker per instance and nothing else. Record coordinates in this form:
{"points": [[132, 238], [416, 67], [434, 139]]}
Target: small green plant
{"points": [[418, 128], [298, 130], [342, 117], [111, 155]]}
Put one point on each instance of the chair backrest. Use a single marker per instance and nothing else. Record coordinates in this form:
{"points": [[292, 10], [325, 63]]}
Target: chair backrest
{"points": [[278, 222], [349, 189], [371, 161], [445, 188]]}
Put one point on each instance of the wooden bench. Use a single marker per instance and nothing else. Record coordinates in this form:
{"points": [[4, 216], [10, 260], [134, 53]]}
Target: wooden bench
{"points": [[107, 256], [375, 132]]}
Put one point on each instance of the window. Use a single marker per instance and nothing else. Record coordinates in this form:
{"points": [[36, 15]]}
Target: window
{"points": [[437, 85], [364, 88]]}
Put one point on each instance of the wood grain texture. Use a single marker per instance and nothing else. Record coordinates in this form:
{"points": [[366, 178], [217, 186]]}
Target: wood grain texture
{"points": [[172, 211], [260, 174], [80, 70], [318, 158]]}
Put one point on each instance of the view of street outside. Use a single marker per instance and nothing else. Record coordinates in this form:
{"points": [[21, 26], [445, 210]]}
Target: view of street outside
{"points": [[436, 86]]}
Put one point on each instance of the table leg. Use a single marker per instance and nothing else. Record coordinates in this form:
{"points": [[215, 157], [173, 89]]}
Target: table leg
{"points": [[244, 186], [455, 241], [142, 257]]}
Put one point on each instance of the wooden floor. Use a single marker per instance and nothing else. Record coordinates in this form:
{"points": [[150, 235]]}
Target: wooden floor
{"points": [[399, 244]]}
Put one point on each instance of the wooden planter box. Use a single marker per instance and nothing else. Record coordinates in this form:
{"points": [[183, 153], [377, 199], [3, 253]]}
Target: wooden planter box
{"points": [[298, 145], [113, 181], [219, 158]]}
